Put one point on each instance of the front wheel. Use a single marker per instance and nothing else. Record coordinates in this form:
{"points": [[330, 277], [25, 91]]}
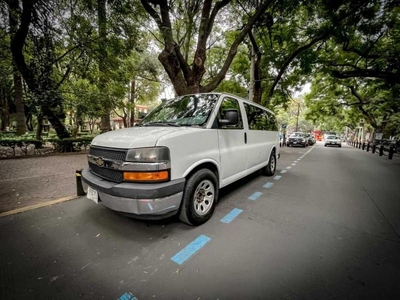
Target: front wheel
{"points": [[199, 197], [269, 169]]}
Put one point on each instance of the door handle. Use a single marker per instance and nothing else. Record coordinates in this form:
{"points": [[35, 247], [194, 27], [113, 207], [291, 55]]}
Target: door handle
{"points": [[245, 137]]}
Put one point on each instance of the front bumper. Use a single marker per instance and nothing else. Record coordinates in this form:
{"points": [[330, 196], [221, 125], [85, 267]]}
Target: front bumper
{"points": [[297, 143], [147, 201]]}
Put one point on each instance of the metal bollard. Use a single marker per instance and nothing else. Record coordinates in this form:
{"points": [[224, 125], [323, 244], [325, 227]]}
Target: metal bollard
{"points": [[359, 145], [363, 146], [381, 150], [391, 152], [79, 187], [368, 147], [373, 148]]}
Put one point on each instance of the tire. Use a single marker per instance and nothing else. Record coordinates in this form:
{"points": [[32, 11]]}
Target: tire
{"points": [[203, 184], [269, 170], [325, 145]]}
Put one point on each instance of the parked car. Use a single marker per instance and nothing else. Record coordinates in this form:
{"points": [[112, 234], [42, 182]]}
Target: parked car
{"points": [[297, 139], [180, 155], [310, 139], [333, 140]]}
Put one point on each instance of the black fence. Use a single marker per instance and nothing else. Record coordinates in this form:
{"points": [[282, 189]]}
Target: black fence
{"points": [[382, 148]]}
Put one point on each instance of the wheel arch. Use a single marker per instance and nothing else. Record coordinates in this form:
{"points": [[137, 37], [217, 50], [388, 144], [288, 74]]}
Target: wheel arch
{"points": [[212, 165]]}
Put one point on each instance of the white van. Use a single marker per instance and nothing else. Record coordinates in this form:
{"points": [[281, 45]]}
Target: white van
{"points": [[180, 155]]}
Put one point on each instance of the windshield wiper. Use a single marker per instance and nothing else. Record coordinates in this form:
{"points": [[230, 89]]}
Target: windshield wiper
{"points": [[161, 124]]}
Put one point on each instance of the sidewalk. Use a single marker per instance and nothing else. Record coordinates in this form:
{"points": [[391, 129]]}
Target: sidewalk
{"points": [[29, 181]]}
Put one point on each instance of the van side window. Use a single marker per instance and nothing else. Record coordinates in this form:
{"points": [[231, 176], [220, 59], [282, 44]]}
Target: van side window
{"points": [[260, 119], [226, 104]]}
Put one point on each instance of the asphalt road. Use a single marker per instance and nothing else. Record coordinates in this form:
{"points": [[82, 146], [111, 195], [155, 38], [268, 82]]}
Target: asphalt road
{"points": [[328, 228]]}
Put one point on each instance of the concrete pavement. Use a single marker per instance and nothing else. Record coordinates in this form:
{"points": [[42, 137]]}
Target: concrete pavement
{"points": [[327, 228]]}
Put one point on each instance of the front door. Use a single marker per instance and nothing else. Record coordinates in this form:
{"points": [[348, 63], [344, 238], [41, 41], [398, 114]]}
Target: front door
{"points": [[232, 144]]}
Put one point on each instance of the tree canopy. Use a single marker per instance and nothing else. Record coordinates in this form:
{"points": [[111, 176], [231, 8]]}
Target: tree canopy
{"points": [[101, 57]]}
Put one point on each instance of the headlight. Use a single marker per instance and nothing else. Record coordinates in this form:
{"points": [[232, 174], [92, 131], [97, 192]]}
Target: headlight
{"points": [[150, 155], [147, 165]]}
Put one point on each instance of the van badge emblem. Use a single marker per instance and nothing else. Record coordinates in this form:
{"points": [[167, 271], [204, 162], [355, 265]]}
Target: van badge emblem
{"points": [[99, 161]]}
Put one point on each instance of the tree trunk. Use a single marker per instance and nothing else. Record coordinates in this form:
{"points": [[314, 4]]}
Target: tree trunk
{"points": [[39, 126], [132, 100], [125, 120], [105, 124], [4, 111], [58, 126], [19, 104], [186, 76], [28, 122], [257, 77], [30, 75]]}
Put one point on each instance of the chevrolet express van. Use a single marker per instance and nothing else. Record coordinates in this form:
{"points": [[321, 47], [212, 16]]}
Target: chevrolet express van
{"points": [[180, 155]]}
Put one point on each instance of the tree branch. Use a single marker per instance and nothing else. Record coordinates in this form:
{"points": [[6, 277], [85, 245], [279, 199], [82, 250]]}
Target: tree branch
{"points": [[370, 118], [233, 49], [366, 73], [293, 56]]}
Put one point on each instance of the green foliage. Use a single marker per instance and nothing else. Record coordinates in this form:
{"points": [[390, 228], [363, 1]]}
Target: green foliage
{"points": [[71, 144]]}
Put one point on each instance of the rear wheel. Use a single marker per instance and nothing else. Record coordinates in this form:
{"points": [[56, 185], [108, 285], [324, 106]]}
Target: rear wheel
{"points": [[269, 169], [199, 197]]}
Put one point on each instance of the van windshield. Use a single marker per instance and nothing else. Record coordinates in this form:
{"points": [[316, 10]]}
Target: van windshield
{"points": [[182, 111]]}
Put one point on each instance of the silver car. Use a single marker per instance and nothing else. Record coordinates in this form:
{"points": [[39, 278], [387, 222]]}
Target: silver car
{"points": [[333, 140]]}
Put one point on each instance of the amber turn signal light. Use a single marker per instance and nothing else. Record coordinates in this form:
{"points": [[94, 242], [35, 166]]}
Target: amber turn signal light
{"points": [[146, 176]]}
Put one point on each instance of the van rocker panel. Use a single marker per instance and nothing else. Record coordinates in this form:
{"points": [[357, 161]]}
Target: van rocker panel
{"points": [[133, 190]]}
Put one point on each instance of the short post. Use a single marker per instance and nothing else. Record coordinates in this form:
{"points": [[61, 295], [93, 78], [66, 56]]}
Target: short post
{"points": [[381, 150], [79, 187], [363, 145], [373, 148], [391, 152], [359, 145], [368, 147]]}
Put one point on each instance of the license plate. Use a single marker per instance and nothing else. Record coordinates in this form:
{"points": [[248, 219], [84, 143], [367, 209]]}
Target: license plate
{"points": [[294, 142], [92, 195]]}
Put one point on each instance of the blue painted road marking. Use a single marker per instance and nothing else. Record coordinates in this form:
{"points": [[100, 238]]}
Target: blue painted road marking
{"points": [[283, 171], [232, 215], [127, 296], [190, 249], [268, 185], [277, 177], [255, 196]]}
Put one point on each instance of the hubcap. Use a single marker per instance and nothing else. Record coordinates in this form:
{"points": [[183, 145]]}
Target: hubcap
{"points": [[272, 163], [203, 198]]}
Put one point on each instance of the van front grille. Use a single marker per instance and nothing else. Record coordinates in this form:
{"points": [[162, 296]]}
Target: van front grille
{"points": [[113, 154], [111, 175]]}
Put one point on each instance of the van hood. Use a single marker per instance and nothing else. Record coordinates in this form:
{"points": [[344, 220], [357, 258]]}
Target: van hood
{"points": [[135, 137]]}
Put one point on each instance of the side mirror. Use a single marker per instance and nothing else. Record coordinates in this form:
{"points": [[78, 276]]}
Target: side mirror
{"points": [[231, 117]]}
